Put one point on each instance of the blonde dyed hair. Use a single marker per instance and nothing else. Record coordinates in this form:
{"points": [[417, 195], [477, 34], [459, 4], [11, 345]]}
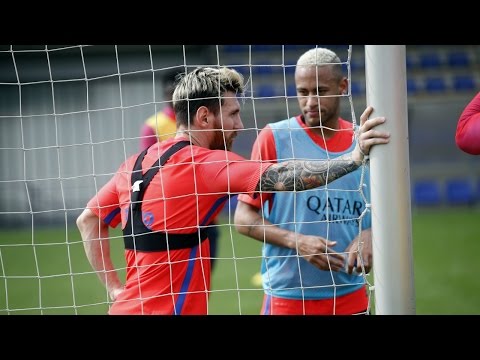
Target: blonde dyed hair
{"points": [[204, 86], [321, 57]]}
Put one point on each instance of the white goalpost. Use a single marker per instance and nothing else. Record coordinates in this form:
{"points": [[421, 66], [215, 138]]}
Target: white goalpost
{"points": [[71, 114], [390, 183]]}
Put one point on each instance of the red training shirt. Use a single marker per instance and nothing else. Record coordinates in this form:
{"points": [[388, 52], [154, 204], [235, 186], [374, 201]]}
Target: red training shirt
{"points": [[188, 191]]}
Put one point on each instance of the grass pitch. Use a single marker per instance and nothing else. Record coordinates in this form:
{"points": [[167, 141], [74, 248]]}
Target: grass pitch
{"points": [[46, 271]]}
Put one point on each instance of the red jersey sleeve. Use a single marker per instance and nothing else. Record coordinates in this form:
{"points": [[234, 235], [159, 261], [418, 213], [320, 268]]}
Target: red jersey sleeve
{"points": [[263, 149], [105, 204], [222, 170], [467, 135]]}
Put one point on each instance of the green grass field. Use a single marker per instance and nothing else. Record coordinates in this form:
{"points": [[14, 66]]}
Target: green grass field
{"points": [[54, 277]]}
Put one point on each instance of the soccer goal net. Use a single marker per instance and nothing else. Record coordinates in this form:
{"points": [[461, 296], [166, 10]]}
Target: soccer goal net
{"points": [[69, 115]]}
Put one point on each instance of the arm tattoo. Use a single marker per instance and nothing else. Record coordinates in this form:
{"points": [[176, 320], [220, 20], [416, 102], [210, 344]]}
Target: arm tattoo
{"points": [[302, 175]]}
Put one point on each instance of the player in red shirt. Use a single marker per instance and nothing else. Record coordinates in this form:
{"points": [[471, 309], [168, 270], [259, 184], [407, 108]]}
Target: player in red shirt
{"points": [[165, 197], [162, 126], [467, 136]]}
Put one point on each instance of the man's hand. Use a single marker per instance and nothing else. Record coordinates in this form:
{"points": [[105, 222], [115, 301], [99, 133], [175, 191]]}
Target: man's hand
{"points": [[318, 251], [360, 253], [115, 292], [367, 136]]}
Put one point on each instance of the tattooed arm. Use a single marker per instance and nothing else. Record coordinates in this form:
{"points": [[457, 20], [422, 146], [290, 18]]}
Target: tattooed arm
{"points": [[288, 176], [303, 175]]}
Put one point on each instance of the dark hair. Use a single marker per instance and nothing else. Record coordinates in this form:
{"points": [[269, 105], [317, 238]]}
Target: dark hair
{"points": [[168, 79]]}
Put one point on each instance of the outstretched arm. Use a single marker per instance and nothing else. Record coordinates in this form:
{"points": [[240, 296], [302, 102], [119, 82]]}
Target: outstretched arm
{"points": [[302, 175], [96, 242], [467, 135]]}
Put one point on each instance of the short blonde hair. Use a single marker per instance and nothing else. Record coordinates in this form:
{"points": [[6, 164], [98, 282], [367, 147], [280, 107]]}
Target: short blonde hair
{"points": [[321, 57], [318, 56]]}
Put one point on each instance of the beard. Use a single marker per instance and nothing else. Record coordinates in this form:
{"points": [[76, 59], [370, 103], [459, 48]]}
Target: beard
{"points": [[222, 140], [324, 116]]}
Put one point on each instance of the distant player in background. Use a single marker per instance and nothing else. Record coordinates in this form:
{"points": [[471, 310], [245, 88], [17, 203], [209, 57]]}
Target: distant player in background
{"points": [[161, 126], [467, 135], [293, 226], [164, 204]]}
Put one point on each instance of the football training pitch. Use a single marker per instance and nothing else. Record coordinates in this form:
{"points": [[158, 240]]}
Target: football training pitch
{"points": [[54, 275]]}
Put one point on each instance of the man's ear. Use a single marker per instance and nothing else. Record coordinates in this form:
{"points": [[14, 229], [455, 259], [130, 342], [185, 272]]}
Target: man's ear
{"points": [[202, 117], [344, 86]]}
